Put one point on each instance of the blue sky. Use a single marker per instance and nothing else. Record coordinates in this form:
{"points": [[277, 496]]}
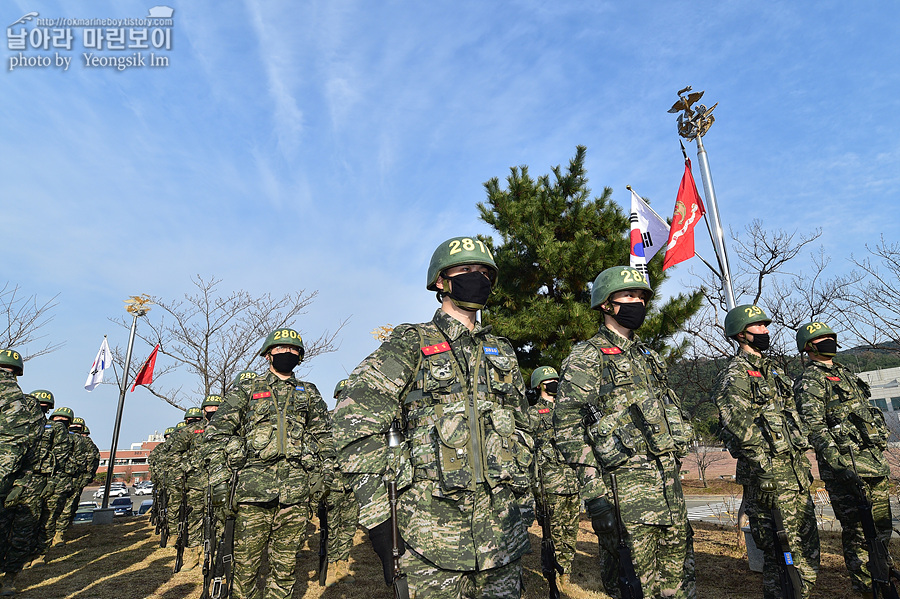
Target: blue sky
{"points": [[332, 145]]}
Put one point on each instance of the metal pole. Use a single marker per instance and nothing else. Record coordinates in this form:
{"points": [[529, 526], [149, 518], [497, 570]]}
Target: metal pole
{"points": [[719, 237], [123, 387]]}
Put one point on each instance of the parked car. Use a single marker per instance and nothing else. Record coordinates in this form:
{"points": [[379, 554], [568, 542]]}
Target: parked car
{"points": [[90, 504], [115, 490], [122, 506], [146, 505], [84, 514], [144, 488]]}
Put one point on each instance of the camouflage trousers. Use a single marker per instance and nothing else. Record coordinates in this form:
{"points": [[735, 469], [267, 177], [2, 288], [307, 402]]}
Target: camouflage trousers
{"points": [[278, 526], [67, 511], [663, 558], [19, 532], [564, 510], [343, 520], [845, 501], [427, 581], [196, 499], [798, 513], [51, 512]]}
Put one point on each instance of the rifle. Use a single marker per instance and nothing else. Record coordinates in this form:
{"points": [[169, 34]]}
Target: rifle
{"points": [[224, 562], [629, 583], [788, 575], [209, 531], [401, 585], [549, 565], [182, 539], [880, 564], [322, 513], [162, 524], [154, 510]]}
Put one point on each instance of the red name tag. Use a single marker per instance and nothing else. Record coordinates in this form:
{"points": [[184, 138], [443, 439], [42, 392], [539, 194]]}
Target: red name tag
{"points": [[262, 394], [755, 373], [833, 378], [199, 430], [436, 349], [611, 350], [544, 411]]}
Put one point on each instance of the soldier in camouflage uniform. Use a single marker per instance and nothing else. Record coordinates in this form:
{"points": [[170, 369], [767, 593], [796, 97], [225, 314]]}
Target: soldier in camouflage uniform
{"points": [[556, 479], [456, 391], [64, 477], [190, 477], [158, 471], [343, 519], [760, 426], [20, 435], [615, 415], [82, 456], [274, 432], [95, 453], [834, 405]]}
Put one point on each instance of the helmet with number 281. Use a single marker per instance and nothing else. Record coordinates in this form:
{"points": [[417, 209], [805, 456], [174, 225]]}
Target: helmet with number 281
{"points": [[456, 252]]}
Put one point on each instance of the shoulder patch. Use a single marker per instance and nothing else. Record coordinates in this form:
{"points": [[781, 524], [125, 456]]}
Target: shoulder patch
{"points": [[755, 373], [543, 410], [262, 394], [611, 350], [300, 388], [436, 349], [833, 378], [492, 351]]}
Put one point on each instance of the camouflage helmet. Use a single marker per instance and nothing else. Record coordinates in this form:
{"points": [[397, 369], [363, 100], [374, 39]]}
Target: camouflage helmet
{"points": [[339, 387], [78, 423], [456, 252], [740, 317], [64, 412], [43, 396], [181, 424], [169, 430], [541, 374], [810, 331], [242, 376], [617, 278], [282, 337], [211, 400], [12, 358], [193, 412]]}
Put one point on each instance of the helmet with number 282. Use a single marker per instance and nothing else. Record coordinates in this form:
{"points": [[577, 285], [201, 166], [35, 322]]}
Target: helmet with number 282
{"points": [[456, 252], [617, 278]]}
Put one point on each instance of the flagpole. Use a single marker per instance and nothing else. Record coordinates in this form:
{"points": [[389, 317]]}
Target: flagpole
{"points": [[137, 308]]}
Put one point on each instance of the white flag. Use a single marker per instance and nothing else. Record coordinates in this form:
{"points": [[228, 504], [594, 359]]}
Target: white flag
{"points": [[101, 363]]}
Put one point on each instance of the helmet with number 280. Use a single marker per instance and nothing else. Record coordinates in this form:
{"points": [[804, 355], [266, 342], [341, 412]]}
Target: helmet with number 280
{"points": [[456, 252], [740, 317], [617, 278], [282, 337], [13, 359]]}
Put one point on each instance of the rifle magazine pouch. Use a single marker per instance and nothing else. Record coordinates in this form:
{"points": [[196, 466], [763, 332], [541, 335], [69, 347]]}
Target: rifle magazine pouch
{"points": [[606, 442], [450, 440]]}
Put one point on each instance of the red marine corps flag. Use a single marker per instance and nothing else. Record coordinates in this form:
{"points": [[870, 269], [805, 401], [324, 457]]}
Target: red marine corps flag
{"points": [[145, 376], [688, 210]]}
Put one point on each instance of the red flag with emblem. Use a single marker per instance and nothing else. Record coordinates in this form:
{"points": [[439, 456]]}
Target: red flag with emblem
{"points": [[688, 210], [145, 376]]}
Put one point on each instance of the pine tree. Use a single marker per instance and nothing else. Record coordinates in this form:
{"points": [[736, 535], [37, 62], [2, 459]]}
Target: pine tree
{"points": [[555, 240]]}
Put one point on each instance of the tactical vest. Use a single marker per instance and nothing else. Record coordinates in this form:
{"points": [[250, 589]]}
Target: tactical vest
{"points": [[776, 416], [851, 417], [461, 436], [647, 420], [45, 459], [273, 433]]}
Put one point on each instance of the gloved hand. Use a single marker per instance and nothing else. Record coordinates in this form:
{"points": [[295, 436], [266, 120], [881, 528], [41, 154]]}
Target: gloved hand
{"points": [[847, 476], [12, 500], [220, 493], [768, 490], [603, 517], [381, 538]]}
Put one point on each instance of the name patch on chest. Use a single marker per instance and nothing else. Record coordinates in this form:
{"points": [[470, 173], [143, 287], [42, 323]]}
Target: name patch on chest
{"points": [[197, 430], [436, 349], [492, 351], [836, 379], [611, 351], [262, 394], [755, 373], [300, 388], [544, 411]]}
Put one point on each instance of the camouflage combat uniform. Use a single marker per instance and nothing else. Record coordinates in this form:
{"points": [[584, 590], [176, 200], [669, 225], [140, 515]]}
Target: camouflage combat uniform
{"points": [[459, 396], [760, 426], [63, 483], [834, 405], [82, 455], [17, 432], [560, 484], [190, 474], [343, 518], [276, 434], [638, 433]]}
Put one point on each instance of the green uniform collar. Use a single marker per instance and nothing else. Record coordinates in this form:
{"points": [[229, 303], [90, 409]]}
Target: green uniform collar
{"points": [[454, 329], [615, 339]]}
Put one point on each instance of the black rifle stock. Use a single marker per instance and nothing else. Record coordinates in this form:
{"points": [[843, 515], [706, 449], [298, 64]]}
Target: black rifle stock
{"points": [[224, 562], [322, 513], [788, 574], [880, 563], [209, 532], [401, 585], [181, 540], [162, 525], [629, 583], [549, 565]]}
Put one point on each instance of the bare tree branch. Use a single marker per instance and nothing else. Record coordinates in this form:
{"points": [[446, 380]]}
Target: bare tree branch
{"points": [[22, 319]]}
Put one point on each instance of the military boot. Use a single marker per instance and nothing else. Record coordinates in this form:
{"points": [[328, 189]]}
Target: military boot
{"points": [[192, 557], [563, 582], [40, 560], [338, 571], [57, 539], [8, 589]]}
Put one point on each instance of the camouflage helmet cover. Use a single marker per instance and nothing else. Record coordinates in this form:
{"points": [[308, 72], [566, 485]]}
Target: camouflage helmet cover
{"points": [[43, 396], [64, 412], [617, 278], [740, 317], [282, 337], [541, 374], [457, 251], [12, 358], [810, 331], [339, 387]]}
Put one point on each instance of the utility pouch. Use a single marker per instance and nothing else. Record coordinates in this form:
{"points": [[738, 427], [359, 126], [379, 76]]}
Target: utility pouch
{"points": [[450, 440]]}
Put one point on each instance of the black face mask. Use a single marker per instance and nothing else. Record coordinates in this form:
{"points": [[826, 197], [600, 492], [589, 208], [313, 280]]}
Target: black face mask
{"points": [[760, 342], [286, 362], [551, 387], [826, 347], [631, 314], [469, 290]]}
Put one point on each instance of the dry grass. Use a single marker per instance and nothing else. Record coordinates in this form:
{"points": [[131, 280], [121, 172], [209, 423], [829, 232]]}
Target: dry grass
{"points": [[124, 561]]}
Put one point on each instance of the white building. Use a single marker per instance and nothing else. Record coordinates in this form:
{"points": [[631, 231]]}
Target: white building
{"points": [[885, 387]]}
